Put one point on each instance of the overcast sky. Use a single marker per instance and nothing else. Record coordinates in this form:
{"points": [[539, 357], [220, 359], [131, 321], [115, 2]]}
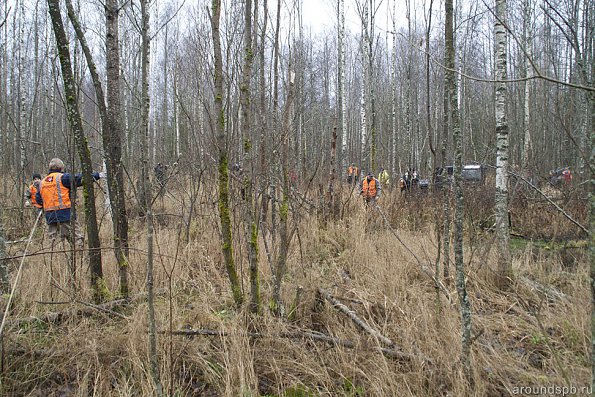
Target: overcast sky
{"points": [[321, 15]]}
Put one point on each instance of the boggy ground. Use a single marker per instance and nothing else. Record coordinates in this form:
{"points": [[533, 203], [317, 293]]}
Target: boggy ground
{"points": [[537, 333]]}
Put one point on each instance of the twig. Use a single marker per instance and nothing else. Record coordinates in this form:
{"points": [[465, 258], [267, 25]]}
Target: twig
{"points": [[16, 281], [424, 268], [362, 324], [584, 229], [356, 320]]}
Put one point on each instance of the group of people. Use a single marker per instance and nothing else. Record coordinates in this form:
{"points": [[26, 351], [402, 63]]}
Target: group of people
{"points": [[409, 180], [370, 186], [52, 195]]}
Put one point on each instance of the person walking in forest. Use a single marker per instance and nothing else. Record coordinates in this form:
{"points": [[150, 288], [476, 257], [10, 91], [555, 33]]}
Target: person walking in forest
{"points": [[384, 177], [370, 189], [160, 173], [351, 173], [54, 196], [30, 199]]}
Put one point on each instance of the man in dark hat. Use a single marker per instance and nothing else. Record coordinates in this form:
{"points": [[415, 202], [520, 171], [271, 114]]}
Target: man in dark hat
{"points": [[30, 199], [370, 189]]}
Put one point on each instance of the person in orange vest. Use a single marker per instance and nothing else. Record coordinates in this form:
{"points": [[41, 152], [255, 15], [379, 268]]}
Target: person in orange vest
{"points": [[350, 173], [30, 199], [54, 196], [370, 190]]}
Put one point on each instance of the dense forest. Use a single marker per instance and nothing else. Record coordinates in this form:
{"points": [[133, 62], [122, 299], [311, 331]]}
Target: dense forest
{"points": [[395, 201]]}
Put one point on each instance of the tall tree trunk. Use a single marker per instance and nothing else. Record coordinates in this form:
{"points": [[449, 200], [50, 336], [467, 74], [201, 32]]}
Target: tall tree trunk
{"points": [[393, 73], [370, 85], [246, 128], [451, 84], [263, 116], [113, 143], [111, 130], [364, 155], [591, 176], [4, 282], [275, 117], [341, 94], [504, 271], [74, 118], [528, 72], [284, 234], [22, 136], [445, 179], [224, 209], [147, 187]]}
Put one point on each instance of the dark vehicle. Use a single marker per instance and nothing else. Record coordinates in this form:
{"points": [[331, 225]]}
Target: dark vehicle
{"points": [[474, 173], [424, 184]]}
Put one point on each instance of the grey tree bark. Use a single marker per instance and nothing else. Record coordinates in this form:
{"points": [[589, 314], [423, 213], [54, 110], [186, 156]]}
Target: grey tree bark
{"points": [[110, 115], [147, 187], [224, 208], [451, 84], [76, 123], [284, 233], [246, 127]]}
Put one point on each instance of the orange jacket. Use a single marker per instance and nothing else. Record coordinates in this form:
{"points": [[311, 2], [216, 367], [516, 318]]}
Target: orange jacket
{"points": [[369, 189], [350, 171], [53, 194], [33, 191]]}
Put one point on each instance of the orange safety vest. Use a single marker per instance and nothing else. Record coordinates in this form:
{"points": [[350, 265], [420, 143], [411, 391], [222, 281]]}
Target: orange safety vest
{"points": [[33, 192], [54, 195], [369, 188]]}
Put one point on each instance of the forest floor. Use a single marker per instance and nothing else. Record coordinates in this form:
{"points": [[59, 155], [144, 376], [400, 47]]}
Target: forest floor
{"points": [[536, 334]]}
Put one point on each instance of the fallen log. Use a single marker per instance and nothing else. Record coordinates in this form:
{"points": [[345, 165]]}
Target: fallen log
{"points": [[300, 334], [356, 320], [88, 310], [364, 326], [549, 292]]}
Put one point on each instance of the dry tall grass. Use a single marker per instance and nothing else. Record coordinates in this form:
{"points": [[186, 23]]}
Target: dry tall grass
{"points": [[523, 336]]}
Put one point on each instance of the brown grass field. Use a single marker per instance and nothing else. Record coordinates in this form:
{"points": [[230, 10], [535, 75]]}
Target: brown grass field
{"points": [[537, 333]]}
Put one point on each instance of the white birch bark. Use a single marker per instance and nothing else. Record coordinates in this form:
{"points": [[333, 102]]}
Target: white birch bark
{"points": [[145, 108], [528, 44], [393, 74], [22, 110], [177, 115], [4, 160], [364, 80], [341, 85], [504, 265]]}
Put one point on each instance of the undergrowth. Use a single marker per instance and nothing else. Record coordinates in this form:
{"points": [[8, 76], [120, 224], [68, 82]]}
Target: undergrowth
{"points": [[535, 334]]}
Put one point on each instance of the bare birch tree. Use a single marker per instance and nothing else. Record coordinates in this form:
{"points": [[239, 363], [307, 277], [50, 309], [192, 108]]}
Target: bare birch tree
{"points": [[224, 208], [504, 271], [341, 95], [528, 74], [451, 86], [147, 187]]}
